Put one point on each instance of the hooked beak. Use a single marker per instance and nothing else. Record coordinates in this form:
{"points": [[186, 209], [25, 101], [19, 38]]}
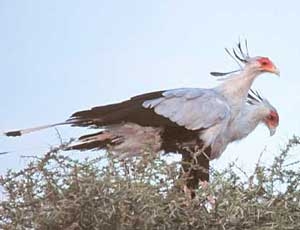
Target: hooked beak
{"points": [[272, 131], [271, 69], [274, 70]]}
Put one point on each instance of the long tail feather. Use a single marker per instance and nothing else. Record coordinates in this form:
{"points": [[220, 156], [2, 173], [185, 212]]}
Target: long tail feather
{"points": [[20, 132]]}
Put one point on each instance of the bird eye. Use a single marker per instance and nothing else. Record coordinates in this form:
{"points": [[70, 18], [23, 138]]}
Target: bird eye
{"points": [[264, 61]]}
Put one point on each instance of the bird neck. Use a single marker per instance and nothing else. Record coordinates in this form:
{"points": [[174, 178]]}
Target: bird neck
{"points": [[235, 89], [245, 122]]}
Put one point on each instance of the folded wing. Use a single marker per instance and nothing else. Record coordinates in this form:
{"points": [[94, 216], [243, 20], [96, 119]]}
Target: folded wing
{"points": [[195, 109]]}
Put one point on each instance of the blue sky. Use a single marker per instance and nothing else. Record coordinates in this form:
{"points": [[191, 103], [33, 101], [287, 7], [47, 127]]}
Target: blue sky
{"points": [[57, 57]]}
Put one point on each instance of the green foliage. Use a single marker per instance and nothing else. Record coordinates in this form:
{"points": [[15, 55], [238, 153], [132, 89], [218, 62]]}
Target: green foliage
{"points": [[56, 192]]}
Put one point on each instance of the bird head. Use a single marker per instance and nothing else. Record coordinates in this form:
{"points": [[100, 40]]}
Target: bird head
{"points": [[256, 64], [267, 113], [271, 120], [262, 65]]}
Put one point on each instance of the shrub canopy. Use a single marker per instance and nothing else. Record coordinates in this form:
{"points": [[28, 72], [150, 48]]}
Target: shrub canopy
{"points": [[57, 192]]}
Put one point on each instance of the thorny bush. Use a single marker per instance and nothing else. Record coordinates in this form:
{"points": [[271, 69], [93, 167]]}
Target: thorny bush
{"points": [[57, 192]]}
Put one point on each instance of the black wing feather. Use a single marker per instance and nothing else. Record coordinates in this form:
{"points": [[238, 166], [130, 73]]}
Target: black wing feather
{"points": [[128, 111]]}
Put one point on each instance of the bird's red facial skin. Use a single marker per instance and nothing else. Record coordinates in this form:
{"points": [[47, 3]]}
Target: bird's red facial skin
{"points": [[272, 120], [267, 65]]}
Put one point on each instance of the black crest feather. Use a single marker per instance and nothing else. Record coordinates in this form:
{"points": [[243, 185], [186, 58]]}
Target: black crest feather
{"points": [[241, 57]]}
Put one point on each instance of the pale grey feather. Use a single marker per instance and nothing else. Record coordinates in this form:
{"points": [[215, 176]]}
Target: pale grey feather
{"points": [[251, 115], [192, 108]]}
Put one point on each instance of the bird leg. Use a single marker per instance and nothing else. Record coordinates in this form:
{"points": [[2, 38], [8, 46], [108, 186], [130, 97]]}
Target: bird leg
{"points": [[198, 152], [203, 184], [195, 165], [186, 175], [201, 161]]}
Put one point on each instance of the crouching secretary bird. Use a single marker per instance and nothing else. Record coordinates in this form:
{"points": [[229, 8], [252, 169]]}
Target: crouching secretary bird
{"points": [[257, 110], [189, 121]]}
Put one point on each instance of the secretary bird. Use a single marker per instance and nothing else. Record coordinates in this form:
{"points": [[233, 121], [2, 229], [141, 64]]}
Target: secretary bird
{"points": [[184, 120], [257, 110]]}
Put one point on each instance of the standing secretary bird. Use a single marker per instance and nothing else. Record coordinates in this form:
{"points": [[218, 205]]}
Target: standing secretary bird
{"points": [[190, 121]]}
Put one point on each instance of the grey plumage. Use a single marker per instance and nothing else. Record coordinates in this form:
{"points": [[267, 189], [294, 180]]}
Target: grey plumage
{"points": [[253, 113], [173, 118], [191, 108]]}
